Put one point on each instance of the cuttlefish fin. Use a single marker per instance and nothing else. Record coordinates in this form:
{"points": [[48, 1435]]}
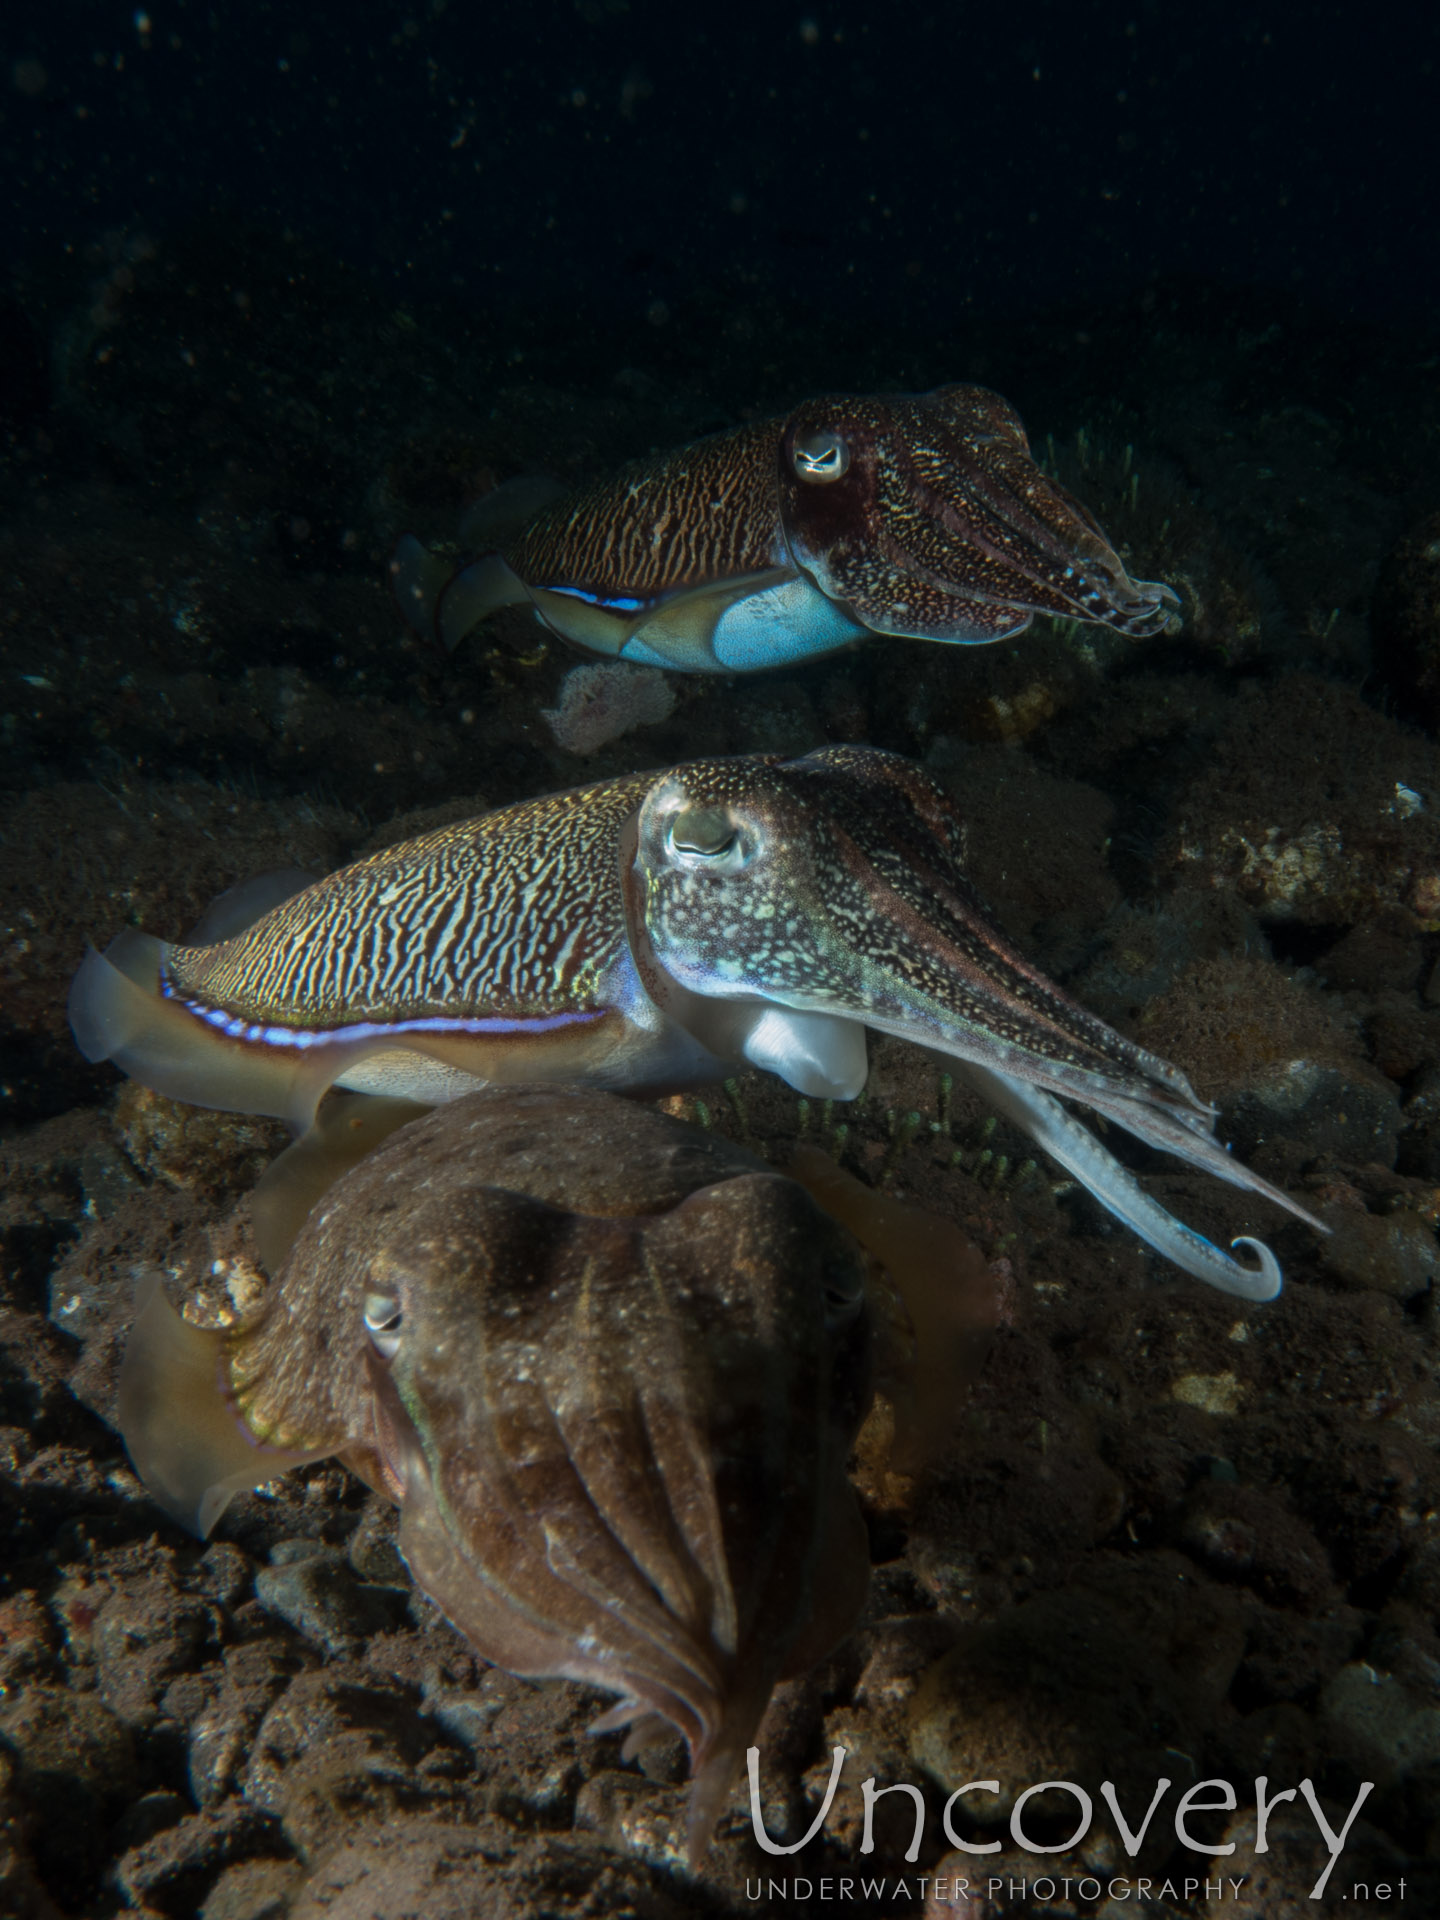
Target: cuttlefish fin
{"points": [[1115, 1187], [492, 522], [472, 595], [180, 1426], [441, 602], [950, 1294], [117, 1012], [347, 1127], [239, 907], [417, 579]]}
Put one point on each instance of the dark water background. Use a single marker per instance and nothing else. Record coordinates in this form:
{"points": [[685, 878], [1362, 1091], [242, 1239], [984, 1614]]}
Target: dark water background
{"points": [[584, 162]]}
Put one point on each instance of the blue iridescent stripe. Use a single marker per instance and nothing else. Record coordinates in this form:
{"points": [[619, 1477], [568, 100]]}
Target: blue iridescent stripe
{"points": [[254, 1032], [620, 604]]}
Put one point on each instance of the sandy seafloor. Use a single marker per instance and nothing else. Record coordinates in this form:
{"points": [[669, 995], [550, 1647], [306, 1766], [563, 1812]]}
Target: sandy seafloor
{"points": [[1175, 1536]]}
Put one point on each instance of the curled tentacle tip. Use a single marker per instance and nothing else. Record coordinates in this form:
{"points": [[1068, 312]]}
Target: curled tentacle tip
{"points": [[1266, 1279]]}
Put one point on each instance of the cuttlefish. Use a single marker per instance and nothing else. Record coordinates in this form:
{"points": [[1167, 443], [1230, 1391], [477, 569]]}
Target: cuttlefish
{"points": [[650, 933], [609, 1367], [918, 515]]}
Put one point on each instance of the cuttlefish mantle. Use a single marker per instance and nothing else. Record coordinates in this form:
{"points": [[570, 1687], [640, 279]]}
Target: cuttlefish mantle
{"points": [[649, 934]]}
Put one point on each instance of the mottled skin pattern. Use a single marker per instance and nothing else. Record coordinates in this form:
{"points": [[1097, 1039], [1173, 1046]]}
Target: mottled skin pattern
{"points": [[916, 515], [619, 1370], [844, 889], [675, 520], [512, 915], [943, 527]]}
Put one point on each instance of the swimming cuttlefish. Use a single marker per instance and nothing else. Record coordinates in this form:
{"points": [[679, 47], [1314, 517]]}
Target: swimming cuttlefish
{"points": [[609, 1367], [646, 934], [918, 515]]}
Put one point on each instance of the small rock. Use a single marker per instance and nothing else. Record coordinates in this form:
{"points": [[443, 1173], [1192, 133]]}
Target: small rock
{"points": [[220, 1735], [1384, 952], [317, 1594], [1291, 1655], [449, 1872], [152, 1813], [1350, 1111], [224, 1573], [172, 1872], [1281, 1741], [27, 1638], [22, 1897], [635, 1815], [105, 1178], [146, 1634], [253, 1890], [345, 1739], [1393, 1253], [73, 1762], [373, 1547], [1379, 1725], [1247, 1534], [1082, 1682], [1217, 1393], [1278, 1058], [66, 1744], [465, 1716], [1277, 1884], [193, 1149], [1296, 807]]}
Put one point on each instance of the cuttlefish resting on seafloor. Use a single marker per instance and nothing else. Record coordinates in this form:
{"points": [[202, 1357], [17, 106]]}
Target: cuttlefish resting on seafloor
{"points": [[647, 934], [917, 515], [609, 1367]]}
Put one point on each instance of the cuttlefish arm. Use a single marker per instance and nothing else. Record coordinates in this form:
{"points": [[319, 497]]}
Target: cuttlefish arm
{"points": [[832, 885], [1076, 1148]]}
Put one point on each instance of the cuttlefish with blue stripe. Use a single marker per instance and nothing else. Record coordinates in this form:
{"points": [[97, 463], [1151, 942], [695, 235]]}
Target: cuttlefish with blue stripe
{"points": [[648, 934], [914, 515]]}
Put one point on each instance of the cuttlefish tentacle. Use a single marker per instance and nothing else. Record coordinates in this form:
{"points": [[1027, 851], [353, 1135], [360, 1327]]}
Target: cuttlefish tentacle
{"points": [[644, 935], [916, 515], [1115, 1187]]}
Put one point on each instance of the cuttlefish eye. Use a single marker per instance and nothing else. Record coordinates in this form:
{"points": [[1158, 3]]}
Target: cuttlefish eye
{"points": [[707, 837], [382, 1323], [820, 457]]}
